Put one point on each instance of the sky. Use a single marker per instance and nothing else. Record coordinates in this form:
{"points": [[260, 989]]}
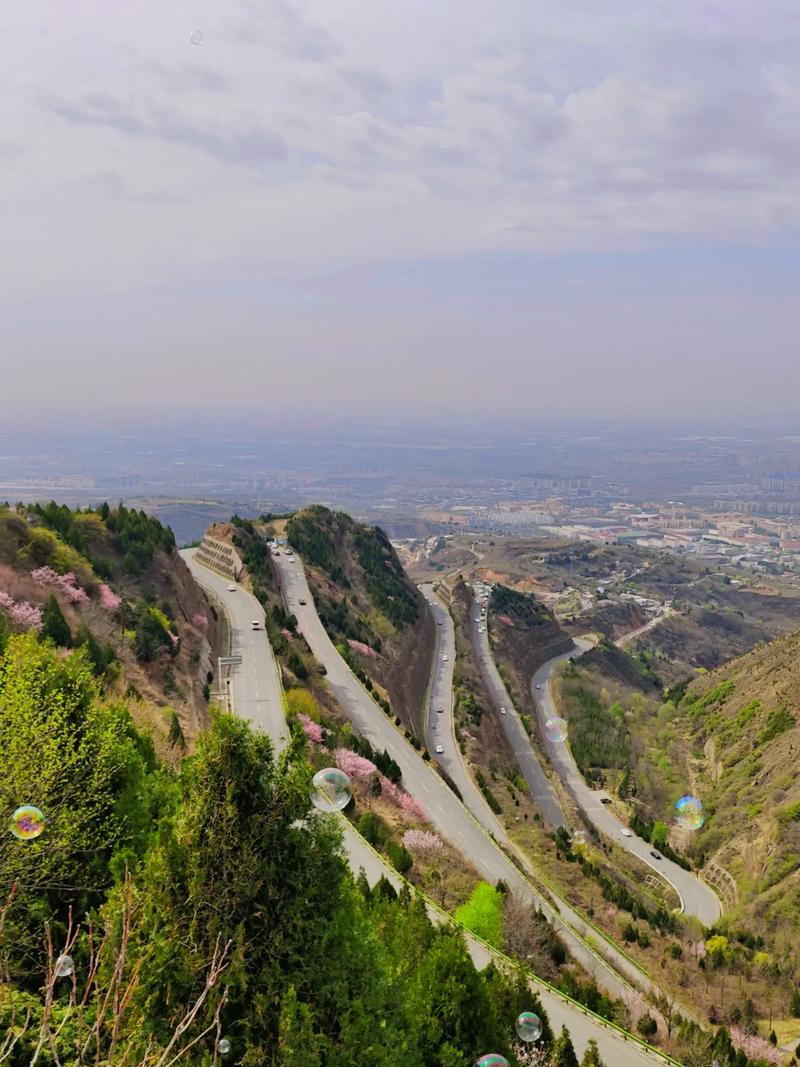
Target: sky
{"points": [[515, 208]]}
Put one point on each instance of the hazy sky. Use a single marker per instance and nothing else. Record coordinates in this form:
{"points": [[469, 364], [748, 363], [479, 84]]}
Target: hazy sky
{"points": [[570, 206]]}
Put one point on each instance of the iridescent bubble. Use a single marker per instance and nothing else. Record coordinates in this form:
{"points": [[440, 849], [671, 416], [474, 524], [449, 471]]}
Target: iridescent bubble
{"points": [[27, 822], [556, 730], [330, 789], [223, 1046], [65, 965], [492, 1059], [196, 37], [690, 814], [529, 1026]]}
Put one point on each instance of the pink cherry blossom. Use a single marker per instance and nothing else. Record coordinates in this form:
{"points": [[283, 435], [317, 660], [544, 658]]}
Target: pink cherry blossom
{"points": [[200, 621], [353, 765], [64, 583], [109, 599], [755, 1047], [361, 648], [423, 841], [402, 799], [23, 614], [311, 729], [506, 619]]}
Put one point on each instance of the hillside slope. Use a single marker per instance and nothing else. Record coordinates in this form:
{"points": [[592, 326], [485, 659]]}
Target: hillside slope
{"points": [[368, 603], [110, 580]]}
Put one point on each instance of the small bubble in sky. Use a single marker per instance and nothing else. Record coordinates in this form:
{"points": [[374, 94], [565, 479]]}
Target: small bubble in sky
{"points": [[64, 966], [27, 822], [556, 729], [223, 1046], [689, 813], [529, 1026], [196, 37], [330, 789]]}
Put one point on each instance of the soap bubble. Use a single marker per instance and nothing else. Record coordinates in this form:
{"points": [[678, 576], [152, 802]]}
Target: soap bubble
{"points": [[492, 1059], [64, 966], [196, 37], [26, 823], [556, 730], [529, 1026], [223, 1046], [689, 813], [330, 789]]}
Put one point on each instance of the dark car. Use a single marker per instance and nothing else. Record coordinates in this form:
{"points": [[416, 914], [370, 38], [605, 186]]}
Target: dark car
{"points": [[655, 855], [301, 601], [605, 800]]}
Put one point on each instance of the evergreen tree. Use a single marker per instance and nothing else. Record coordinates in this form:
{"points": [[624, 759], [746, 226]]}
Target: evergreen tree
{"points": [[54, 625], [591, 1057], [563, 1054]]}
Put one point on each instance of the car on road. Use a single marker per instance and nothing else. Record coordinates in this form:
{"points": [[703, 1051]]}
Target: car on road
{"points": [[481, 629], [502, 711], [440, 711], [231, 588], [256, 624], [444, 659], [538, 687], [301, 601], [439, 750], [605, 800], [655, 855], [626, 832]]}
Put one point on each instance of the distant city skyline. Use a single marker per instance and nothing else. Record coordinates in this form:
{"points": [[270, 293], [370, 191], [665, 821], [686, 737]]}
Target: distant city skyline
{"points": [[461, 211]]}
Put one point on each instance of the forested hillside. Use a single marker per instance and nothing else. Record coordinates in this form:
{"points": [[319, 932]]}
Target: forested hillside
{"points": [[368, 605], [205, 910], [109, 580]]}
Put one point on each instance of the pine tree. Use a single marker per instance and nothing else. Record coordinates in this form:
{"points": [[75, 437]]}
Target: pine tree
{"points": [[563, 1054], [591, 1057], [54, 625]]}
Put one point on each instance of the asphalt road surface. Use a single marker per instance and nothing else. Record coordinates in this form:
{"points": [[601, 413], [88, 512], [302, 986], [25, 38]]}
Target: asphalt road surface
{"points": [[540, 788], [697, 898], [446, 813], [256, 686], [439, 725]]}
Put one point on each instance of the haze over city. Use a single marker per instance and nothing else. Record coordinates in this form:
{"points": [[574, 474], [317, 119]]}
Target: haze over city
{"points": [[515, 211]]}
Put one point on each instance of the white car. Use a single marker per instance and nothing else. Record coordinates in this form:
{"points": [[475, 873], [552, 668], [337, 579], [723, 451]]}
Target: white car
{"points": [[231, 588], [439, 750], [626, 832], [444, 659], [502, 711], [538, 687], [256, 624], [481, 629]]}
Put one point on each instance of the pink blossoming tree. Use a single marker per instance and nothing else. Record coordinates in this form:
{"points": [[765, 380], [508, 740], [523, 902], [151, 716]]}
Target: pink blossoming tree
{"points": [[311, 729], [423, 841], [353, 765], [109, 599], [200, 621], [21, 613], [64, 583]]}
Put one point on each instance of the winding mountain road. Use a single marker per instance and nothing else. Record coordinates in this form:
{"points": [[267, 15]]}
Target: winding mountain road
{"points": [[267, 713], [257, 693], [439, 723], [541, 790], [445, 811], [696, 897]]}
